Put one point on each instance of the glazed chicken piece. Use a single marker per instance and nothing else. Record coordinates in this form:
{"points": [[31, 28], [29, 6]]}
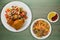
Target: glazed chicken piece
{"points": [[10, 22], [18, 24], [16, 17]]}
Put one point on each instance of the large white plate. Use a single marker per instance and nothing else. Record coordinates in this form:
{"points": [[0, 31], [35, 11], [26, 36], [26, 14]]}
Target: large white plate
{"points": [[20, 4]]}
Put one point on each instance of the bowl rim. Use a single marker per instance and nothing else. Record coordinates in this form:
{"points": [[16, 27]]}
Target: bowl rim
{"points": [[33, 32], [56, 19]]}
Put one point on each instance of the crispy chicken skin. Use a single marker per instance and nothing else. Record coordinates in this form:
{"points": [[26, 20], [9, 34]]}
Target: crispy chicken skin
{"points": [[18, 24]]}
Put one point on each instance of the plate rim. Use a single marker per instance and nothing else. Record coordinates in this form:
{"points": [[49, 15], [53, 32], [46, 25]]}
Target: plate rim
{"points": [[8, 24]]}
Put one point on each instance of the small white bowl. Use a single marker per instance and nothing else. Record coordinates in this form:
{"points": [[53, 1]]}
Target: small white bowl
{"points": [[56, 19], [43, 36], [19, 4]]}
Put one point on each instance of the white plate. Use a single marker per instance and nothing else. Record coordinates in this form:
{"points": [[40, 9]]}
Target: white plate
{"points": [[33, 32], [20, 4]]}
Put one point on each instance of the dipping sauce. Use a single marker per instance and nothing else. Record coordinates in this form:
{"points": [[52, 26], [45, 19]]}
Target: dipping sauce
{"points": [[53, 16]]}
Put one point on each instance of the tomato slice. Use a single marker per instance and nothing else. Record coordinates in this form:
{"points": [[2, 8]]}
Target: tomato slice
{"points": [[25, 17], [8, 10], [6, 16]]}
